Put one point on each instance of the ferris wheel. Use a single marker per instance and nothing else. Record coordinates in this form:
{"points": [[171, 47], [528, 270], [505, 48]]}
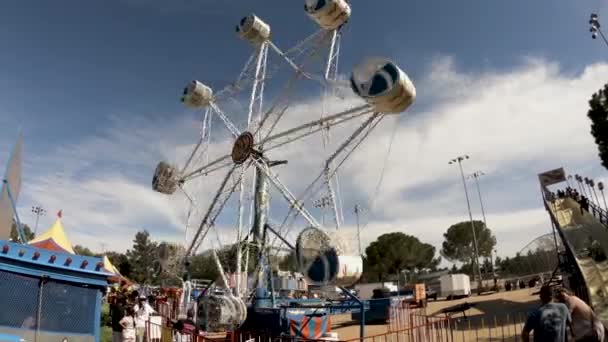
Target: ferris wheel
{"points": [[247, 170]]}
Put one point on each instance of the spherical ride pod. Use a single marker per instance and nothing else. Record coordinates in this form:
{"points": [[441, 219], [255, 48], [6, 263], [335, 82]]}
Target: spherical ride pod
{"points": [[329, 14], [383, 85], [165, 178], [221, 312], [253, 29], [197, 95], [323, 259]]}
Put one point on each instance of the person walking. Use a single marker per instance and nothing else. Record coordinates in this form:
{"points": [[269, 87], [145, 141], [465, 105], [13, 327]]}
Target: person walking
{"points": [[549, 322], [586, 326], [128, 325]]}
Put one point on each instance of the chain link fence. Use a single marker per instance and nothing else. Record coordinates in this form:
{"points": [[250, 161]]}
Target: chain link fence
{"points": [[38, 308]]}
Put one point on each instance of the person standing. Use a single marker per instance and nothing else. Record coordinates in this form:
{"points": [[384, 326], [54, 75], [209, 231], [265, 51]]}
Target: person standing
{"points": [[586, 326], [549, 322], [117, 312], [142, 316], [128, 325]]}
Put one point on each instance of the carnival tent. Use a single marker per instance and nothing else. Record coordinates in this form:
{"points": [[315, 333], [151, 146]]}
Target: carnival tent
{"points": [[54, 239]]}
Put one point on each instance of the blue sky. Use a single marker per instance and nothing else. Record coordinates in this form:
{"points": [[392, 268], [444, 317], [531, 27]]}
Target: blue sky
{"points": [[95, 88]]}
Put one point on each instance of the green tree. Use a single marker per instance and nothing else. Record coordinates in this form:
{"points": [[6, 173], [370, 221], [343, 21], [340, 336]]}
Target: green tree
{"points": [[289, 262], [202, 266], [395, 252], [458, 242], [598, 114], [142, 257], [29, 235], [121, 262], [81, 250]]}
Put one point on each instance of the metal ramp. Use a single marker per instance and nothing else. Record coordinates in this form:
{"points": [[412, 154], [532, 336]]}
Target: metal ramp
{"points": [[578, 231]]}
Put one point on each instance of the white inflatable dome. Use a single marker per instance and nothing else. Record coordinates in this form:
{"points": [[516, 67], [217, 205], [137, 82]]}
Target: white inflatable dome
{"points": [[329, 14], [253, 29], [383, 85], [197, 95], [323, 259]]}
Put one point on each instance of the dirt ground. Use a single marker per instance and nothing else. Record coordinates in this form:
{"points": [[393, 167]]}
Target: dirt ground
{"points": [[494, 316]]}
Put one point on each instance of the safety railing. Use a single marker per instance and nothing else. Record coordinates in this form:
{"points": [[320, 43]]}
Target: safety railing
{"points": [[420, 328], [600, 214]]}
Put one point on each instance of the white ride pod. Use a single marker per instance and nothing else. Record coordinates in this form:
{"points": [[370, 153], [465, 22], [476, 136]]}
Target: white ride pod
{"points": [[197, 95], [219, 313], [165, 178], [323, 259], [383, 85], [253, 29], [329, 14]]}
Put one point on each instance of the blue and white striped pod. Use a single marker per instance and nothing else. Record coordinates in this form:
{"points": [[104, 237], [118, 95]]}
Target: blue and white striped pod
{"points": [[383, 85], [253, 29], [197, 95], [323, 261], [329, 14]]}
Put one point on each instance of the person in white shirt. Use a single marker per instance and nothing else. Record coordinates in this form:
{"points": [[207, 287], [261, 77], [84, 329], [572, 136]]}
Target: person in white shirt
{"points": [[128, 326], [142, 316]]}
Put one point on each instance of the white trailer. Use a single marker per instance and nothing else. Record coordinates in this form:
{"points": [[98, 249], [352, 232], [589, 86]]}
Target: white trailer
{"points": [[455, 285]]}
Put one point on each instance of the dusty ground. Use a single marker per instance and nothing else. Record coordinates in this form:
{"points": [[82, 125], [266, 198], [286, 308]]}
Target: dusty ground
{"points": [[494, 316]]}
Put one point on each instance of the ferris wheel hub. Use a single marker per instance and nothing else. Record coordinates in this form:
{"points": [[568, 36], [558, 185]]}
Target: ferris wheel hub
{"points": [[242, 148]]}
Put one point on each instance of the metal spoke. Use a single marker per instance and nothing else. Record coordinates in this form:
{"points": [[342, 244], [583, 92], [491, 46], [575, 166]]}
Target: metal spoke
{"points": [[231, 127], [289, 197], [217, 204], [356, 111]]}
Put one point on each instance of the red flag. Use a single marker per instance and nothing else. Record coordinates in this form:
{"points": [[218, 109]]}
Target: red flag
{"points": [[59, 213]]}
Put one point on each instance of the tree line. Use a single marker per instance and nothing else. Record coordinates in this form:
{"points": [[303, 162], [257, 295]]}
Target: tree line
{"points": [[385, 259]]}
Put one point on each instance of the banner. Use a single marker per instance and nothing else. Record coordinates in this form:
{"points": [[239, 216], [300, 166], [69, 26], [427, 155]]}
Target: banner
{"points": [[552, 177], [13, 180]]}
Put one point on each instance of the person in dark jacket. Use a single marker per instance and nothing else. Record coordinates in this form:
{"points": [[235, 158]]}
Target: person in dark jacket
{"points": [[117, 312]]}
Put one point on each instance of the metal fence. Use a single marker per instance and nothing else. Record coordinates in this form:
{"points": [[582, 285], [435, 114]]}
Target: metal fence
{"points": [[39, 307], [406, 325]]}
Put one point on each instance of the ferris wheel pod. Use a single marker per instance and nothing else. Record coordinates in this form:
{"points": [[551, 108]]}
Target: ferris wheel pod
{"points": [[383, 85], [218, 313], [197, 95], [323, 260], [165, 178], [329, 14], [253, 29]]}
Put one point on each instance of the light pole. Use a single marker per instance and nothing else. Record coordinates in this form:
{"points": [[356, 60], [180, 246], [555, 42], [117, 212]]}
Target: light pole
{"points": [[579, 179], [459, 160], [38, 211], [595, 28], [322, 203], [475, 175], [592, 186], [357, 211], [600, 186], [588, 183]]}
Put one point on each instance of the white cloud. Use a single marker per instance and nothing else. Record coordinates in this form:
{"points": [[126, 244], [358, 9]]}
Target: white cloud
{"points": [[513, 124]]}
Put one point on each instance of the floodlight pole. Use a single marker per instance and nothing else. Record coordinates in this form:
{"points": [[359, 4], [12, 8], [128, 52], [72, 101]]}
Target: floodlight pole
{"points": [[459, 160], [600, 186], [476, 176], [38, 211], [595, 28], [357, 210]]}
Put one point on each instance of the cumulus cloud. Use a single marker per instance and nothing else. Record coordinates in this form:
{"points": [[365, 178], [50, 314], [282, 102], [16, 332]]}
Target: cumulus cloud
{"points": [[513, 124]]}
